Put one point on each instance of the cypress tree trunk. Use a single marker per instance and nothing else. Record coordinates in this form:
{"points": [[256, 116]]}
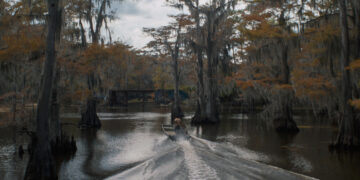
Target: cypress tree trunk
{"points": [[41, 164], [55, 128], [176, 111], [356, 9], [176, 77], [82, 31], [89, 118], [61, 144], [216, 14], [347, 136], [331, 62], [285, 122], [200, 113], [212, 114]]}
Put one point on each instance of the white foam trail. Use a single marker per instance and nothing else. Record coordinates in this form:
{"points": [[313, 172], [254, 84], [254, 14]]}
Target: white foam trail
{"points": [[197, 168], [299, 162], [137, 147], [247, 153], [209, 144]]}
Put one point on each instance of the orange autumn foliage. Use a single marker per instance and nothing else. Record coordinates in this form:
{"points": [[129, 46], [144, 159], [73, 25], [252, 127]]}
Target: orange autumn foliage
{"points": [[283, 86], [313, 87], [253, 74], [355, 103], [264, 30], [355, 64], [243, 84], [20, 45]]}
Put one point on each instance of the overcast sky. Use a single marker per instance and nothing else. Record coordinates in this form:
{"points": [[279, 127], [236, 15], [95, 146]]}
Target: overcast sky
{"points": [[133, 15]]}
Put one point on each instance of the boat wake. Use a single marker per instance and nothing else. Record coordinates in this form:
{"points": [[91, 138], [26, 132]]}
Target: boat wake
{"points": [[196, 167], [144, 152], [204, 160]]}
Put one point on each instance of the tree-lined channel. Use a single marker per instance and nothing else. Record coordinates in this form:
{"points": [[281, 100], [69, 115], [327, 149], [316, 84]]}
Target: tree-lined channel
{"points": [[210, 89]]}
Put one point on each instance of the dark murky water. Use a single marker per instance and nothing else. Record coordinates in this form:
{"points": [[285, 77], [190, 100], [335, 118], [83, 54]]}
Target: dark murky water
{"points": [[131, 145]]}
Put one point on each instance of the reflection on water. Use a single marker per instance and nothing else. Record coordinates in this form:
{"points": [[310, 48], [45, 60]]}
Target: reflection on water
{"points": [[131, 145]]}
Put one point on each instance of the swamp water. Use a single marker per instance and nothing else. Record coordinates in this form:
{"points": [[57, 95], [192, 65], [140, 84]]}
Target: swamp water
{"points": [[131, 145]]}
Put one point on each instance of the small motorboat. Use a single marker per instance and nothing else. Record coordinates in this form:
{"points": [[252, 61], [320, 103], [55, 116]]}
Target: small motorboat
{"points": [[169, 130], [174, 134]]}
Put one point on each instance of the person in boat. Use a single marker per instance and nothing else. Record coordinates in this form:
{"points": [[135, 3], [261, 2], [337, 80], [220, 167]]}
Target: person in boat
{"points": [[180, 128]]}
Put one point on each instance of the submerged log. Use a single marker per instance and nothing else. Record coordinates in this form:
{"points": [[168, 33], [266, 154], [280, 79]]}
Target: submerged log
{"points": [[89, 118]]}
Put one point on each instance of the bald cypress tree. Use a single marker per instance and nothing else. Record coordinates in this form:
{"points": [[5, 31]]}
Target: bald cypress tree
{"points": [[41, 164], [347, 136], [212, 39]]}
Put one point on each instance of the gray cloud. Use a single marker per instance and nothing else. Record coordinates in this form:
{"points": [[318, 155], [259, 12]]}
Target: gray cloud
{"points": [[133, 16], [126, 8]]}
